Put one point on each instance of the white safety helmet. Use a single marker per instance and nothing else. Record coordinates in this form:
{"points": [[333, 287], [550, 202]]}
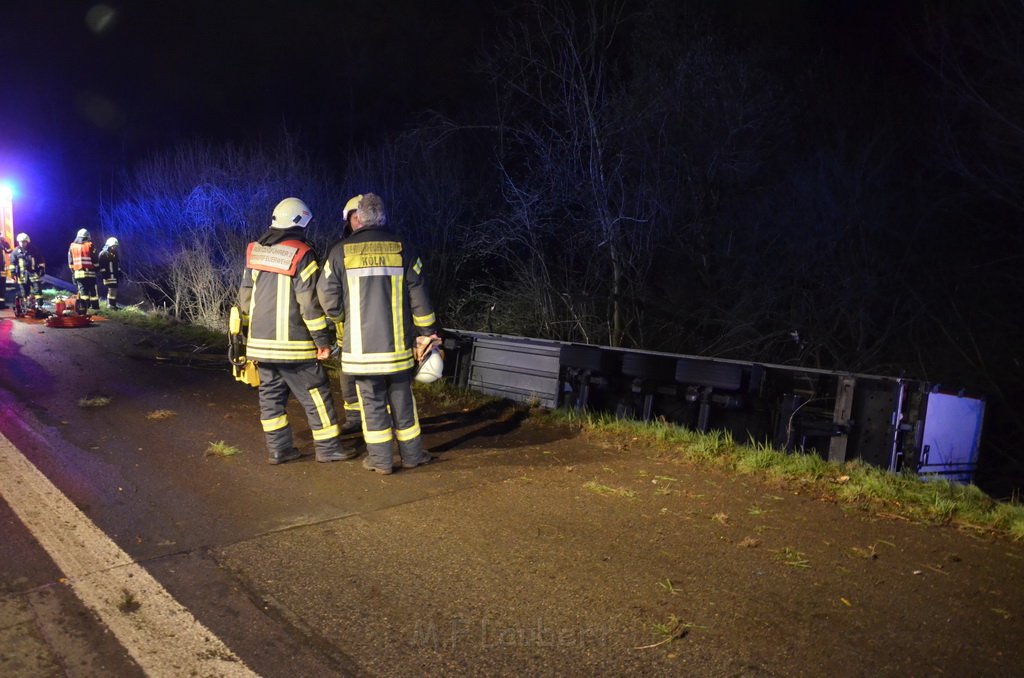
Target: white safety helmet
{"points": [[82, 233], [289, 213], [431, 367], [351, 206], [111, 242], [23, 237]]}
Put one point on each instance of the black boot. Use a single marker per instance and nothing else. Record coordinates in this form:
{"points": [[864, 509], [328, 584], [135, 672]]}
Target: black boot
{"points": [[342, 454], [281, 457]]}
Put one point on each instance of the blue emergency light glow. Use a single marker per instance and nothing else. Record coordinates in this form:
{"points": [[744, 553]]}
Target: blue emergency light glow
{"points": [[7, 191]]}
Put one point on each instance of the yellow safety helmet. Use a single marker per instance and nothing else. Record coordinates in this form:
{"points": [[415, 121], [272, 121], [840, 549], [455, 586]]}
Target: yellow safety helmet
{"points": [[351, 206]]}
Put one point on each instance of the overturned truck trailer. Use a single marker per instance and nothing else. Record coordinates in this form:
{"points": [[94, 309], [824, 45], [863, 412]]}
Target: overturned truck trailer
{"points": [[891, 422]]}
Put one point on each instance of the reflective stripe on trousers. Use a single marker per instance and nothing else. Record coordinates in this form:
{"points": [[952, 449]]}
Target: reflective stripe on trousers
{"points": [[308, 382], [380, 427]]}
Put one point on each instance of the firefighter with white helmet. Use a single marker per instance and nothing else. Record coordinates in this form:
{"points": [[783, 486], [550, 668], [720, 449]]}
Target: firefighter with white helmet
{"points": [[29, 267], [83, 262], [110, 270], [287, 335], [373, 283]]}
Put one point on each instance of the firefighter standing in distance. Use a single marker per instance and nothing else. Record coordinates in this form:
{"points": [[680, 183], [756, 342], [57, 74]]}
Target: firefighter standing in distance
{"points": [[29, 267], [287, 335], [5, 249], [110, 270], [83, 263], [373, 283]]}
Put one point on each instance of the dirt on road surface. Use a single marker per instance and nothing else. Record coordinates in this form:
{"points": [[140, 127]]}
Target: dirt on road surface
{"points": [[526, 548]]}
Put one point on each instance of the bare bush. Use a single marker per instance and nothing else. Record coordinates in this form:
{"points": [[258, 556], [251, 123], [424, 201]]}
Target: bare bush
{"points": [[187, 216]]}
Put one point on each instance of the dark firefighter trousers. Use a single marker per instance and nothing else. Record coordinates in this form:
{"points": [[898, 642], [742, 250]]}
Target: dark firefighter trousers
{"points": [[308, 381], [380, 427], [87, 295], [353, 415], [110, 284], [29, 284]]}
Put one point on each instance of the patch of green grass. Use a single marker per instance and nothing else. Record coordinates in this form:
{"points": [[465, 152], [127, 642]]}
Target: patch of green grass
{"points": [[158, 415], [221, 449], [94, 401], [793, 558], [672, 629], [606, 490], [668, 586], [168, 326], [853, 483], [447, 396]]}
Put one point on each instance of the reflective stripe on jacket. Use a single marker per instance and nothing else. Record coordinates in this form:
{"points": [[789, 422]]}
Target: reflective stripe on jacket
{"points": [[82, 259], [374, 284], [108, 266], [25, 263], [278, 295]]}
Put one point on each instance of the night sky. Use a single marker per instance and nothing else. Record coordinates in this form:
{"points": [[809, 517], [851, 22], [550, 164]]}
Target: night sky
{"points": [[88, 89]]}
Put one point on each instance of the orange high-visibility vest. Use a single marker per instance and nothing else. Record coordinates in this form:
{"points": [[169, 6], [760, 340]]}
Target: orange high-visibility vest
{"points": [[81, 256]]}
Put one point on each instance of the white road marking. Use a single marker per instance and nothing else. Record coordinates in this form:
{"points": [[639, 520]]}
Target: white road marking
{"points": [[160, 635]]}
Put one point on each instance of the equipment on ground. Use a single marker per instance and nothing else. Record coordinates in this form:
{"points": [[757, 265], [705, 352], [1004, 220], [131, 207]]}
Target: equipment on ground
{"points": [[242, 369], [67, 312]]}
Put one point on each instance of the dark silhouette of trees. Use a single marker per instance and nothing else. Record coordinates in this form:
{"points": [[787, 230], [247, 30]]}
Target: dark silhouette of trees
{"points": [[837, 188]]}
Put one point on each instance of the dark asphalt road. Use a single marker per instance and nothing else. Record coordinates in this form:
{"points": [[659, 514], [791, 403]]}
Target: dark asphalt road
{"points": [[522, 551]]}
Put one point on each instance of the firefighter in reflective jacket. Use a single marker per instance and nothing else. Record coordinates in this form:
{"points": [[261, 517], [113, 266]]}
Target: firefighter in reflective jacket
{"points": [[287, 335], [373, 285], [29, 267], [83, 264], [110, 270]]}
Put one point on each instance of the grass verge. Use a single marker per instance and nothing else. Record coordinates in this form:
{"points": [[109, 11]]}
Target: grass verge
{"points": [[933, 501], [168, 326]]}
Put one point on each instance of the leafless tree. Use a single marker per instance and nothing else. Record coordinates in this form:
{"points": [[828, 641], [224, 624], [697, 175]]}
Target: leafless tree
{"points": [[187, 215], [574, 240]]}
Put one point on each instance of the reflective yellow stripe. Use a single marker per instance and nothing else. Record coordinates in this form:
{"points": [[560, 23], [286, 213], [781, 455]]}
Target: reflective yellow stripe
{"points": [[284, 293], [281, 356], [275, 423], [353, 407], [377, 363], [256, 342], [321, 408], [308, 271], [252, 304], [353, 262], [408, 433], [424, 320], [372, 247], [355, 321], [316, 323], [326, 433], [412, 431], [377, 436], [397, 312]]}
